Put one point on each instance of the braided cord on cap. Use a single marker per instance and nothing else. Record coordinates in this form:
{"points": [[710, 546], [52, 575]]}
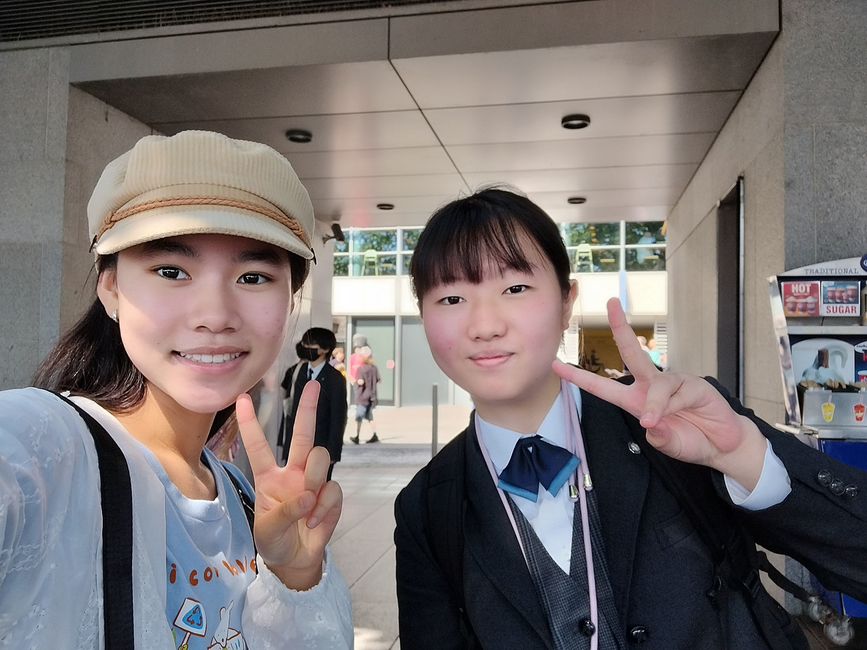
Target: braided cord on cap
{"points": [[276, 215]]}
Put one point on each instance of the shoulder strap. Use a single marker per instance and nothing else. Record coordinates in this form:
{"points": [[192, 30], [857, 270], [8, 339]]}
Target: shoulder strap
{"points": [[446, 505], [247, 500], [116, 496]]}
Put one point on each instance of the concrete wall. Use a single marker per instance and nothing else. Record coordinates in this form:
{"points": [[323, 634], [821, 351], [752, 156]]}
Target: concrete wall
{"points": [[799, 137], [750, 144], [33, 100], [825, 94]]}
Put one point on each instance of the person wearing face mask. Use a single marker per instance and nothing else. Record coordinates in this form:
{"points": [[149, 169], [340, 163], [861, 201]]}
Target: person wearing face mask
{"points": [[314, 350]]}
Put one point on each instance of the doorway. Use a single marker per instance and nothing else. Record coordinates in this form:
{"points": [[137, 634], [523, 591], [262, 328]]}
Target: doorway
{"points": [[730, 291]]}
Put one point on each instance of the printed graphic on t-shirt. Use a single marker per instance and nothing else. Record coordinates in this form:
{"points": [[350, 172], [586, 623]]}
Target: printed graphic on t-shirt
{"points": [[207, 621], [192, 621]]}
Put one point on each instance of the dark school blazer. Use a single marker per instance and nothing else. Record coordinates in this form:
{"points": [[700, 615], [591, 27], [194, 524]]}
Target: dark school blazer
{"points": [[659, 568], [330, 411]]}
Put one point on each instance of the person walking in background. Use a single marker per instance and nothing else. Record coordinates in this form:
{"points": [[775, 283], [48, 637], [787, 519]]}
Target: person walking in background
{"points": [[367, 377], [356, 359], [338, 360], [655, 354], [314, 350]]}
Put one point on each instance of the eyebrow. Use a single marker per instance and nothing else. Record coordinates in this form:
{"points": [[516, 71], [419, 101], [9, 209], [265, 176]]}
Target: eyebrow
{"points": [[265, 254], [163, 246]]}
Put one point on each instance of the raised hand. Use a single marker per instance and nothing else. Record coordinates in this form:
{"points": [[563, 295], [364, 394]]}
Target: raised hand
{"points": [[685, 417], [296, 508]]}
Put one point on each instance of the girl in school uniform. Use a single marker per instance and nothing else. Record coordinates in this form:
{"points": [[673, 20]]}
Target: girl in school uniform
{"points": [[118, 528], [548, 522]]}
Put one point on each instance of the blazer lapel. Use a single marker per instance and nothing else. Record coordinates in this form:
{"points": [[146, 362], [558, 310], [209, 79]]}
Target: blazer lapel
{"points": [[491, 541], [620, 479]]}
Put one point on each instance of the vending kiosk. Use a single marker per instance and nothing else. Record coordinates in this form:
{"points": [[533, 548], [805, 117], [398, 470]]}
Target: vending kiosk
{"points": [[820, 319]]}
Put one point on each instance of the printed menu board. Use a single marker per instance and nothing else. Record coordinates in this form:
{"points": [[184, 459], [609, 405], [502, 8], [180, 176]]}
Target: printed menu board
{"points": [[801, 298], [840, 298]]}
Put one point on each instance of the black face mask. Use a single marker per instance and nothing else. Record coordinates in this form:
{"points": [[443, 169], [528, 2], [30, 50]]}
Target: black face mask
{"points": [[306, 354]]}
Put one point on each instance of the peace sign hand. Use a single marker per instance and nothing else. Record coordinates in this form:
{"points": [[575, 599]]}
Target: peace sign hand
{"points": [[685, 417], [296, 509]]}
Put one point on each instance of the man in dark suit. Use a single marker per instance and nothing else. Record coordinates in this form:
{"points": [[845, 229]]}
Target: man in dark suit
{"points": [[314, 351]]}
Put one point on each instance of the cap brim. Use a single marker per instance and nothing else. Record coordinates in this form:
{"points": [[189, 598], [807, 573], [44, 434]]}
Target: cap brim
{"points": [[174, 221]]}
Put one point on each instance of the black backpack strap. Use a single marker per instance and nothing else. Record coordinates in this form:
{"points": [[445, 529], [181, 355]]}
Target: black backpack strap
{"points": [[446, 505], [248, 501], [116, 497]]}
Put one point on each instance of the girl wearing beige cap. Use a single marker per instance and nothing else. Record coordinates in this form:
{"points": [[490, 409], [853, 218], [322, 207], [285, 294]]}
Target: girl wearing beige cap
{"points": [[117, 526]]}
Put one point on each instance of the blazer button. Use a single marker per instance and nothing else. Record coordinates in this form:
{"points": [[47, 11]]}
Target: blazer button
{"points": [[851, 491], [824, 478], [837, 488], [586, 627], [639, 634]]}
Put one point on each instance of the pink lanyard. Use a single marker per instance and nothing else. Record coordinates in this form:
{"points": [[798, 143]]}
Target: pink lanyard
{"points": [[576, 446]]}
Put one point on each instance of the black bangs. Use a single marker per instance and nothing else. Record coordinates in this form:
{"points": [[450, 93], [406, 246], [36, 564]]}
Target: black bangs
{"points": [[471, 237]]}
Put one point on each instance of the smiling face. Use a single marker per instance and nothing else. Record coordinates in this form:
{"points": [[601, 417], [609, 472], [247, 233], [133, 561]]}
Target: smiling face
{"points": [[497, 338], [202, 317]]}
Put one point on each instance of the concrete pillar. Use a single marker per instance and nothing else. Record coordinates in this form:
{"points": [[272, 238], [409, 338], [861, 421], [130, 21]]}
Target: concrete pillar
{"points": [[33, 101]]}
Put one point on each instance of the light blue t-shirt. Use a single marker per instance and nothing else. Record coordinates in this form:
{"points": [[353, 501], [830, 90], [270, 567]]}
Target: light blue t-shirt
{"points": [[210, 561]]}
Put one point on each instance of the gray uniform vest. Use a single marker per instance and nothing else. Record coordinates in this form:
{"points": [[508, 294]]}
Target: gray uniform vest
{"points": [[565, 597]]}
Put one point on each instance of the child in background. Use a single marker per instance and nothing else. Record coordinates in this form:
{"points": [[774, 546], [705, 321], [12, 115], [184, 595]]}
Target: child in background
{"points": [[546, 524], [201, 243]]}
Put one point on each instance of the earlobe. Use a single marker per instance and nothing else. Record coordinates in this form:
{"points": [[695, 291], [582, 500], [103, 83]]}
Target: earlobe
{"points": [[569, 303], [106, 291]]}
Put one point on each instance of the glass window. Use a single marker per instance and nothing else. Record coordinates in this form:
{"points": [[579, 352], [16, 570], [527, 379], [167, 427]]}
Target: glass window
{"points": [[405, 260], [377, 240], [387, 265], [595, 234], [341, 265], [342, 246], [644, 232], [606, 259], [410, 238], [645, 258], [595, 260]]}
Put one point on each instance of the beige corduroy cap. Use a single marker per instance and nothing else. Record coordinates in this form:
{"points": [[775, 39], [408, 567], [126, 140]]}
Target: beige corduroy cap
{"points": [[199, 182]]}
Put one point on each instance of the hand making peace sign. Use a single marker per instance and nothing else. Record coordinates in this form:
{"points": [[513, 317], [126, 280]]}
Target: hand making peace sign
{"points": [[685, 417], [296, 508]]}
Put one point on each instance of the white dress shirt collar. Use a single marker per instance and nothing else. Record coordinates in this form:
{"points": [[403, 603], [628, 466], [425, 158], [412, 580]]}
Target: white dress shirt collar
{"points": [[500, 442]]}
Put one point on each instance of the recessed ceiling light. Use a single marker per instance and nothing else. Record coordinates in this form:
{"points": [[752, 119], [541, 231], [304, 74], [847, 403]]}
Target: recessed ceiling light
{"points": [[299, 135], [385, 206], [576, 200], [575, 121]]}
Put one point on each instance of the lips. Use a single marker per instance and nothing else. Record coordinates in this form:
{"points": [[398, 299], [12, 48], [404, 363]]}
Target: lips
{"points": [[490, 357]]}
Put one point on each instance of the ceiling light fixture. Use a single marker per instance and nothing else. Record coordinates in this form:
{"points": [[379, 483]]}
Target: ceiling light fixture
{"points": [[299, 135], [575, 121], [576, 200], [385, 206]]}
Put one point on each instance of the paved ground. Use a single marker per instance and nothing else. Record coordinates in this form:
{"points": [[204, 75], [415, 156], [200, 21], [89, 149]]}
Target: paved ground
{"points": [[371, 476]]}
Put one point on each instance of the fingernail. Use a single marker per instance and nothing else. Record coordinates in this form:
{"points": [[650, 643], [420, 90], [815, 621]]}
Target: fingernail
{"points": [[312, 522]]}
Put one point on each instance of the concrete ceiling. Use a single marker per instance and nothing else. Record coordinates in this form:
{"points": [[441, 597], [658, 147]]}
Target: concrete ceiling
{"points": [[416, 110]]}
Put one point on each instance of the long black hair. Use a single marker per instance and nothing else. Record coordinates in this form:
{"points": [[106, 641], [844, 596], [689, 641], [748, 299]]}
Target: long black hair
{"points": [[463, 238], [90, 359]]}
